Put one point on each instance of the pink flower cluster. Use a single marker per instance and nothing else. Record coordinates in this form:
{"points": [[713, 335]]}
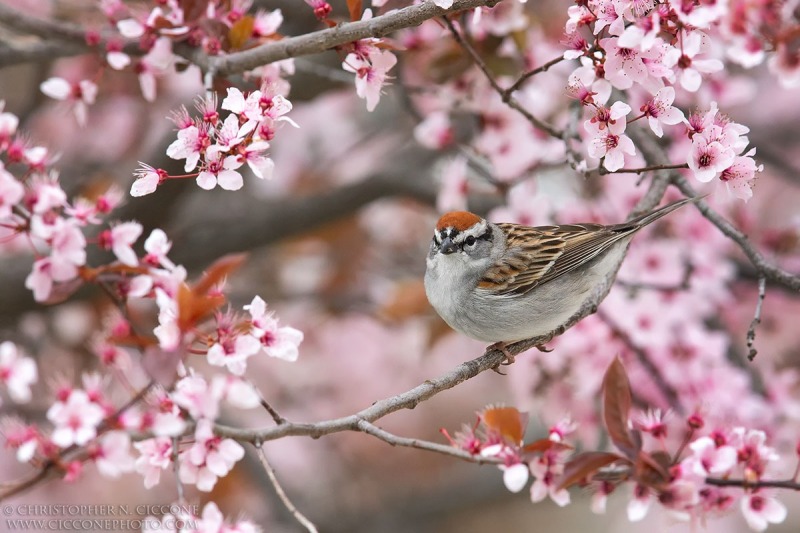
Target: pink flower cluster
{"points": [[498, 434], [219, 148], [691, 492], [370, 62], [86, 417]]}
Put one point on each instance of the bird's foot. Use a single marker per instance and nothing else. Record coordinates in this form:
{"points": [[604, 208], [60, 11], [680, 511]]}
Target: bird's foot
{"points": [[543, 348], [501, 346]]}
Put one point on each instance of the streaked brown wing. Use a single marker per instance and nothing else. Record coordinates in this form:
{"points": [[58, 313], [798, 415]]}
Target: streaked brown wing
{"points": [[542, 254]]}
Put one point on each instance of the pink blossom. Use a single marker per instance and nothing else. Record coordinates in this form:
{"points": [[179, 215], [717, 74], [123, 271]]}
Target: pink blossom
{"points": [[154, 63], [167, 332], [609, 14], [191, 143], [642, 34], [659, 109], [45, 272], [708, 159], [501, 20], [228, 136], [193, 394], [17, 372], [11, 192], [699, 14], [708, 459], [75, 419], [261, 165], [236, 391], [8, 124], [546, 469], [209, 458], [266, 23], [576, 45], [652, 421], [370, 71], [577, 16], [623, 66], [232, 351], [277, 341], [515, 476], [20, 436], [79, 95], [155, 456], [785, 64], [121, 239], [157, 246], [688, 66], [640, 503], [221, 171], [739, 177], [760, 510], [584, 85], [112, 455], [435, 131], [611, 144], [46, 194], [147, 180]]}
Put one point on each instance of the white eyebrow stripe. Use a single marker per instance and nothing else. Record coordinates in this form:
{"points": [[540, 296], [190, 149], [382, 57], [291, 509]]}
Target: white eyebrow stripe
{"points": [[475, 231]]}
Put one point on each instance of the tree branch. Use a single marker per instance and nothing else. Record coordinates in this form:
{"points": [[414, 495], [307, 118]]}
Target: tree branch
{"points": [[396, 440], [505, 95], [751, 331], [300, 517], [790, 484], [767, 269], [322, 40]]}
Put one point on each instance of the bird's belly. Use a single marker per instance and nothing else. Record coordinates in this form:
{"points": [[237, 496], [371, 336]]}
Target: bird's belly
{"points": [[539, 312]]}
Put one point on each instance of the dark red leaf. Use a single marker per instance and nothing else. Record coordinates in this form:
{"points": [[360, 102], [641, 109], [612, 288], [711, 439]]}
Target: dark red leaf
{"points": [[652, 470], [617, 407], [355, 8], [240, 32], [508, 422], [586, 465]]}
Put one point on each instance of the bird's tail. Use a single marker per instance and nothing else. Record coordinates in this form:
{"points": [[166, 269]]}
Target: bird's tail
{"points": [[648, 218]]}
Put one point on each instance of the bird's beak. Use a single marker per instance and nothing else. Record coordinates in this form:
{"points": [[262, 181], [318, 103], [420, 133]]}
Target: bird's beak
{"points": [[447, 246]]}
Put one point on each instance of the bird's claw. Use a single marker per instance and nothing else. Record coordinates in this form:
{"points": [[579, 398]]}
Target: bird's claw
{"points": [[501, 346]]}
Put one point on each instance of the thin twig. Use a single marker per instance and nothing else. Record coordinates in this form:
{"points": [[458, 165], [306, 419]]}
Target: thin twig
{"points": [[538, 70], [300, 517], [506, 96], [396, 440], [751, 331], [175, 469], [272, 412], [790, 484], [642, 170]]}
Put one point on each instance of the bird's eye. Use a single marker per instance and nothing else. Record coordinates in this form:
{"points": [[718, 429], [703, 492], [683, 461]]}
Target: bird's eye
{"points": [[470, 241]]}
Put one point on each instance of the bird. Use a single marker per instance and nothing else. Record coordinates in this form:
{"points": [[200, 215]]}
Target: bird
{"points": [[502, 282]]}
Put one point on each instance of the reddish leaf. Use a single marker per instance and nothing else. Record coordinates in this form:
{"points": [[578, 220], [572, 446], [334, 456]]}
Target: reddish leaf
{"points": [[506, 421], [355, 8], [586, 465], [539, 446], [617, 406], [240, 32], [652, 470], [218, 271]]}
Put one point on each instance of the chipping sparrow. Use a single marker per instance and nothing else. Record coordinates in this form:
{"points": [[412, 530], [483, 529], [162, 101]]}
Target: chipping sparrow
{"points": [[502, 283]]}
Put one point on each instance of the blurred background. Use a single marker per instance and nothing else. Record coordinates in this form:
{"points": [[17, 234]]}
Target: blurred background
{"points": [[336, 245]]}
